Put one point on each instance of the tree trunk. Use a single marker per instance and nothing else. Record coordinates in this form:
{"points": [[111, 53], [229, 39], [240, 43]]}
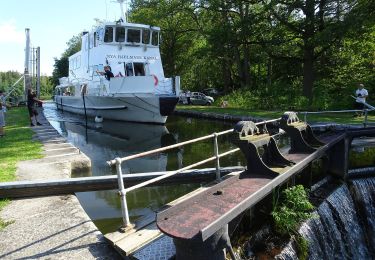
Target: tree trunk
{"points": [[246, 66], [269, 72], [308, 73]]}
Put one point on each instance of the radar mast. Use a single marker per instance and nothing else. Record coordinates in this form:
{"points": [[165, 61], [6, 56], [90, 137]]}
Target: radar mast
{"points": [[123, 14]]}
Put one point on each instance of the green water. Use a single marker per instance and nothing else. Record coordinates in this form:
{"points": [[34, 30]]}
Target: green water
{"points": [[362, 157], [106, 141]]}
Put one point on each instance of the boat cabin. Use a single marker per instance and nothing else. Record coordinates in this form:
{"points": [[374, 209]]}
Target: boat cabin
{"points": [[129, 49]]}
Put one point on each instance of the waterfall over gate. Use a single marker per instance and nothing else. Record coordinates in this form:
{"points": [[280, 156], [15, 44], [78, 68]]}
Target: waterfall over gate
{"points": [[344, 227]]}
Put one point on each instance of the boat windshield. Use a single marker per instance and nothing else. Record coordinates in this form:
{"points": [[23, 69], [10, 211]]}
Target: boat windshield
{"points": [[108, 35], [131, 35]]}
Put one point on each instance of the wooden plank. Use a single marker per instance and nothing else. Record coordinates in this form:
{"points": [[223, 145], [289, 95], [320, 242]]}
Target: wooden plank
{"points": [[135, 241], [123, 242]]}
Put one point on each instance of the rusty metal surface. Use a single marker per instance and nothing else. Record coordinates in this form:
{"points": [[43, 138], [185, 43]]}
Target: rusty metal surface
{"points": [[186, 222], [198, 214], [296, 157], [326, 138]]}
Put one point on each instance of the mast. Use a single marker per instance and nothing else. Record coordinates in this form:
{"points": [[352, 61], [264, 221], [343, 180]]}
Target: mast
{"points": [[27, 79], [123, 14], [27, 50]]}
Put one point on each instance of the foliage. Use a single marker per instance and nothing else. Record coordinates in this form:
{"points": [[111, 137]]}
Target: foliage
{"points": [[302, 246], [9, 78], [292, 210], [295, 54], [61, 66], [15, 146]]}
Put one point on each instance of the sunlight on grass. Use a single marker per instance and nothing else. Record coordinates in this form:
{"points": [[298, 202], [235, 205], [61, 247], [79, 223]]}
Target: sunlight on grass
{"points": [[15, 146], [342, 118]]}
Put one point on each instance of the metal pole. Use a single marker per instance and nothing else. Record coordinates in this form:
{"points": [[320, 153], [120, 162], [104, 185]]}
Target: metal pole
{"points": [[216, 151], [305, 117], [38, 71], [122, 193], [365, 122]]}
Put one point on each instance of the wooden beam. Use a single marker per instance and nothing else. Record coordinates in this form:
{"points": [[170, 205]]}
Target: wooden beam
{"points": [[70, 186]]}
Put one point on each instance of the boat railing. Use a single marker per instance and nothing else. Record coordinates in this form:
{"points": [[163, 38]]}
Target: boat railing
{"points": [[118, 161], [168, 86]]}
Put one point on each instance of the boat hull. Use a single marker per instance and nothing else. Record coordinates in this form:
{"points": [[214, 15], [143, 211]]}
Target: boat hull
{"points": [[132, 108]]}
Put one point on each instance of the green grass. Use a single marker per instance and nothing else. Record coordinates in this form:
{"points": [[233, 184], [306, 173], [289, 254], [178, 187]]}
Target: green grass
{"points": [[16, 146], [343, 118]]}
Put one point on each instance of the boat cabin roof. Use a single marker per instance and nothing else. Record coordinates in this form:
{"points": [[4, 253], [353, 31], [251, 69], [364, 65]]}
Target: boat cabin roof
{"points": [[130, 25]]}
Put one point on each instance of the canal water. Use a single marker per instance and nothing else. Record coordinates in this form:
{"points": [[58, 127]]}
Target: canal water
{"points": [[110, 139]]}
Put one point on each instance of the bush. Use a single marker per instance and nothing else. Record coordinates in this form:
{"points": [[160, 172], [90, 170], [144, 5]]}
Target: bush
{"points": [[293, 209]]}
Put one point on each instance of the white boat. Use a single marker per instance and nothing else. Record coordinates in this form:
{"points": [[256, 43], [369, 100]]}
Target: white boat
{"points": [[138, 92]]}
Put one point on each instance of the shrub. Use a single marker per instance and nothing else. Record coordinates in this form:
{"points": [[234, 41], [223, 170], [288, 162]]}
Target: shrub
{"points": [[293, 209]]}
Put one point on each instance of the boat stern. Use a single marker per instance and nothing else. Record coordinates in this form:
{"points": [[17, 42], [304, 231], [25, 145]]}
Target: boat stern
{"points": [[167, 104]]}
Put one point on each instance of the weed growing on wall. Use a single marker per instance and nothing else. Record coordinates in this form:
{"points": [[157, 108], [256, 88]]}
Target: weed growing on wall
{"points": [[293, 208]]}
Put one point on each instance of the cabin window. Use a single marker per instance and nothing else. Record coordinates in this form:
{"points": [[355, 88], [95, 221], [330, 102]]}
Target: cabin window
{"points": [[155, 38], [85, 42], [78, 62], [95, 39], [72, 64], [120, 34], [100, 33], [108, 35], [129, 69], [134, 36], [139, 69], [91, 44], [146, 36]]}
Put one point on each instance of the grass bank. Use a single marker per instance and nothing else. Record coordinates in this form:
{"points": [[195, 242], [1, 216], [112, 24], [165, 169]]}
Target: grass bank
{"points": [[343, 118], [15, 146]]}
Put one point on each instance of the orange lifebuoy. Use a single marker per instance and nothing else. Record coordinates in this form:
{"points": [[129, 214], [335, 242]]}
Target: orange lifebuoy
{"points": [[156, 80]]}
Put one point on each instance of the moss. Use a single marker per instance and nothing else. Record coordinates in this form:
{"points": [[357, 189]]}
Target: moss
{"points": [[302, 247]]}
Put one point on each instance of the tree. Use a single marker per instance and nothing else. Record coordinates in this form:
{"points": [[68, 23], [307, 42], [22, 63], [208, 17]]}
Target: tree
{"points": [[313, 27], [61, 66]]}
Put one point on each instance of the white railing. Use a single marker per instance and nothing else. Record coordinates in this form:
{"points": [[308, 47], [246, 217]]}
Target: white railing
{"points": [[118, 161], [365, 111]]}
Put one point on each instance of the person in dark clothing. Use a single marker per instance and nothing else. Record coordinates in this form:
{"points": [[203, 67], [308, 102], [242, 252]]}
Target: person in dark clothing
{"points": [[107, 73], [31, 102]]}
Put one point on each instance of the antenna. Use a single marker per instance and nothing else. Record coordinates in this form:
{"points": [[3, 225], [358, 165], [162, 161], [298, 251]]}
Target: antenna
{"points": [[106, 10], [123, 14]]}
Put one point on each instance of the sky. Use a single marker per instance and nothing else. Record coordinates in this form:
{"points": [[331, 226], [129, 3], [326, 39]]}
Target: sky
{"points": [[52, 24]]}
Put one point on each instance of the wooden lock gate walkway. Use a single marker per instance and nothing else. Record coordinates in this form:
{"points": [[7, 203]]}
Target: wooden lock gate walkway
{"points": [[199, 225]]}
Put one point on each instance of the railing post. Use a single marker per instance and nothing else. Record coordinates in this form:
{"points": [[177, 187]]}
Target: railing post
{"points": [[305, 117], [365, 122], [122, 193], [216, 151]]}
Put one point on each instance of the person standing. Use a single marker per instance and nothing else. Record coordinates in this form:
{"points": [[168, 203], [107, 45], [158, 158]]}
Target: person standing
{"points": [[3, 109], [107, 73], [361, 94], [31, 102]]}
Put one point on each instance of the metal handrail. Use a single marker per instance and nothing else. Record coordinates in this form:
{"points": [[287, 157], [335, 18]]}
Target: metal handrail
{"points": [[305, 113], [158, 150], [217, 156]]}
